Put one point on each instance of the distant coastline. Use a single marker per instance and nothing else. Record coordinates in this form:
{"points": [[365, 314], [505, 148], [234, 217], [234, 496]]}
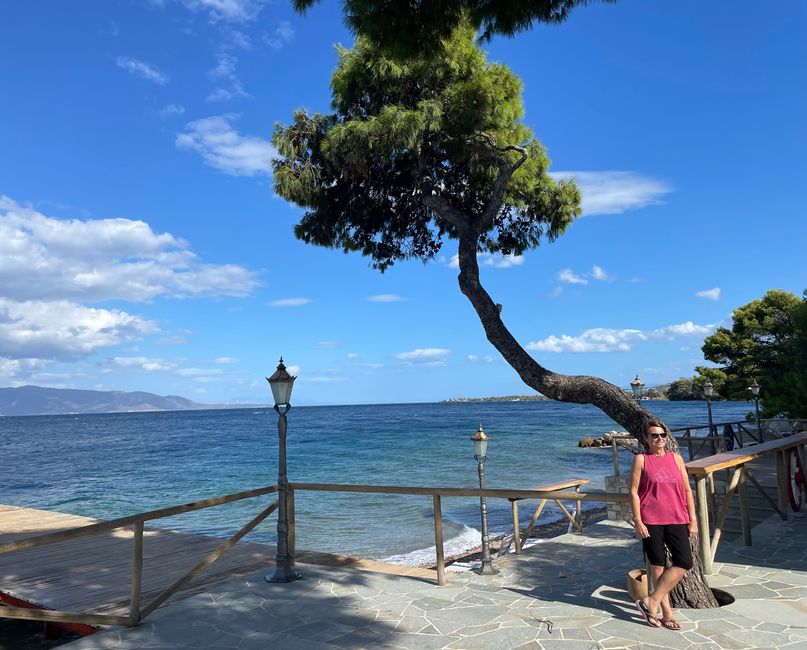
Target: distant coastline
{"points": [[502, 398]]}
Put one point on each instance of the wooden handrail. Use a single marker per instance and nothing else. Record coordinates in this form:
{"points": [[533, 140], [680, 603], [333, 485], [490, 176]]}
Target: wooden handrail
{"points": [[736, 457], [462, 492], [112, 524]]}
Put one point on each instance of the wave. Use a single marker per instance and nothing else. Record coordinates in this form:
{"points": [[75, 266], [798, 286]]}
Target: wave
{"points": [[466, 539]]}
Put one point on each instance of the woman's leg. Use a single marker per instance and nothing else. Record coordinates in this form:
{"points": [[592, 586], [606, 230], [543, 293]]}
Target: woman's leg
{"points": [[666, 608], [665, 583]]}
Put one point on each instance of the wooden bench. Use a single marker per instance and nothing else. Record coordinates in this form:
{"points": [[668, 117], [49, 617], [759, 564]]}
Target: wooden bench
{"points": [[702, 470], [576, 519]]}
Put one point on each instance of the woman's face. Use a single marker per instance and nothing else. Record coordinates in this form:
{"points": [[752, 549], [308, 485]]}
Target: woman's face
{"points": [[656, 439]]}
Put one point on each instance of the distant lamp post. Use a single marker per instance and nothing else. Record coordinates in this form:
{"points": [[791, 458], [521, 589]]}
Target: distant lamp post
{"points": [[636, 386], [754, 388], [480, 440], [281, 384], [708, 389]]}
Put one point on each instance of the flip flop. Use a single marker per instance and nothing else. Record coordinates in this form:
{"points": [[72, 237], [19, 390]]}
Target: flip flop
{"points": [[671, 624], [651, 620]]}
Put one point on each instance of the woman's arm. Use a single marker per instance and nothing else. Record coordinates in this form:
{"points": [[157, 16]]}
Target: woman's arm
{"points": [[635, 477], [693, 520]]}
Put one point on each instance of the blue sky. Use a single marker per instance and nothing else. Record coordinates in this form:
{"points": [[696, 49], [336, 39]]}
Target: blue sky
{"points": [[142, 246]]}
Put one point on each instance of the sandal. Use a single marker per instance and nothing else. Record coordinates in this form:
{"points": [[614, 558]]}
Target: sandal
{"points": [[651, 620], [671, 624]]}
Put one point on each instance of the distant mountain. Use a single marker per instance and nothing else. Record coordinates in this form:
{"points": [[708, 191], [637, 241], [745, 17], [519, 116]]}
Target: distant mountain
{"points": [[35, 400]]}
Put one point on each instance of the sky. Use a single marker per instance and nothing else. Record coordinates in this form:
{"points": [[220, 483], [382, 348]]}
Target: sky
{"points": [[142, 246]]}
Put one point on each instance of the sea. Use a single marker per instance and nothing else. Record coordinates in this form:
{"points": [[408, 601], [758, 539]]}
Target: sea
{"points": [[111, 465]]}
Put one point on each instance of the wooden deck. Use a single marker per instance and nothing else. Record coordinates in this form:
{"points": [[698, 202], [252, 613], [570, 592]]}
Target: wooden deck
{"points": [[93, 574]]}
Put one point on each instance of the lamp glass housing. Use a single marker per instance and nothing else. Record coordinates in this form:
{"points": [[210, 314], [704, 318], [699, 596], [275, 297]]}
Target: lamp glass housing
{"points": [[281, 383], [480, 447], [708, 389], [636, 386], [754, 388]]}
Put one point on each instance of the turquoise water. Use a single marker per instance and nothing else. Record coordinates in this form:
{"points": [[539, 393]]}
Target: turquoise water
{"points": [[111, 465]]}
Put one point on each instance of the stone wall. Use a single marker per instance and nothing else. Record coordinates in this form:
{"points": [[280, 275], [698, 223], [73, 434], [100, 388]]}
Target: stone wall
{"points": [[620, 485]]}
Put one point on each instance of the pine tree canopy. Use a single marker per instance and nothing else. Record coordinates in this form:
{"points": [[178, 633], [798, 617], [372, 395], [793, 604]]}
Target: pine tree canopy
{"points": [[408, 27], [417, 151]]}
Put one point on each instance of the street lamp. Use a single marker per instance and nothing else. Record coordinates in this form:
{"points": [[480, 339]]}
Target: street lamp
{"points": [[636, 386], [480, 440], [754, 388], [281, 384], [708, 389]]}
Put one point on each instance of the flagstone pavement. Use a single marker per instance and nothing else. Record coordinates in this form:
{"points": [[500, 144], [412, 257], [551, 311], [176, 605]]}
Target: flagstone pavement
{"points": [[565, 593]]}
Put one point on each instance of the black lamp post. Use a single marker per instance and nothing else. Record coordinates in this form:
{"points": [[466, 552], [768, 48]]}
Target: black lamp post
{"points": [[708, 389], [754, 388], [636, 386], [281, 384], [480, 440]]}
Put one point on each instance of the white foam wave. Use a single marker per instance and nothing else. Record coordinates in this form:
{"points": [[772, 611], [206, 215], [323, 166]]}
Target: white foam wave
{"points": [[467, 539]]}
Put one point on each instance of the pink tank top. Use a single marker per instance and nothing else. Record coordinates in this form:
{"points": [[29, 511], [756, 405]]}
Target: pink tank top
{"points": [[662, 497]]}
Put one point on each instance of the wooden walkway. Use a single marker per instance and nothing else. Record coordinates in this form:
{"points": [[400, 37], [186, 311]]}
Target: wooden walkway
{"points": [[93, 574]]}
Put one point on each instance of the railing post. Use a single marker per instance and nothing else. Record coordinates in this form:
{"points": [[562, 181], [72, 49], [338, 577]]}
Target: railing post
{"points": [[438, 541], [516, 527], [782, 479], [689, 445], [615, 449], [137, 573], [745, 514], [578, 513], [703, 523]]}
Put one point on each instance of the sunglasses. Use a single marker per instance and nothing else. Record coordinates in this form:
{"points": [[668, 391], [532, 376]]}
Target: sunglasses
{"points": [[656, 435]]}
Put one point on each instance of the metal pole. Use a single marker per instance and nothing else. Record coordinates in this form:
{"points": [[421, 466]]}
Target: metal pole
{"points": [[759, 422], [709, 408], [487, 563], [283, 560]]}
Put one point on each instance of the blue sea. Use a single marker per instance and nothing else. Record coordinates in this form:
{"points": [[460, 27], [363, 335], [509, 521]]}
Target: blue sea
{"points": [[111, 465]]}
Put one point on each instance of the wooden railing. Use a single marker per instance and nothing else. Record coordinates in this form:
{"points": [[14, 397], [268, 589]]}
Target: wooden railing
{"points": [[703, 469], [136, 613]]}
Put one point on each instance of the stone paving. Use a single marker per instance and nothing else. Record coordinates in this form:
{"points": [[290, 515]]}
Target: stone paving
{"points": [[566, 593]]}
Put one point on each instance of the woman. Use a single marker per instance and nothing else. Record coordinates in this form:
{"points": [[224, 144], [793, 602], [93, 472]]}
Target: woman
{"points": [[663, 515]]}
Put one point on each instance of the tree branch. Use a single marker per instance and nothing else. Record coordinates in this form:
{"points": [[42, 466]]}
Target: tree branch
{"points": [[490, 149]]}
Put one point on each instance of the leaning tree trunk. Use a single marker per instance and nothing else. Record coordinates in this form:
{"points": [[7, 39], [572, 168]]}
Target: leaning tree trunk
{"points": [[692, 591]]}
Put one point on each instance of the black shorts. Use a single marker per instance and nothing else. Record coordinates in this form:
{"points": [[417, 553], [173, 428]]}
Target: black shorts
{"points": [[675, 537]]}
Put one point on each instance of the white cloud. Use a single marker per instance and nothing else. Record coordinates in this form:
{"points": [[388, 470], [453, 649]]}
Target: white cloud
{"points": [[614, 192], [143, 363], [225, 360], [290, 302], [223, 148], [499, 261], [141, 69], [569, 277], [424, 356], [602, 339], [599, 273], [43, 258], [226, 10], [386, 297], [709, 294], [327, 345], [225, 71], [493, 260], [62, 330], [281, 36], [352, 356], [487, 358], [171, 110]]}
